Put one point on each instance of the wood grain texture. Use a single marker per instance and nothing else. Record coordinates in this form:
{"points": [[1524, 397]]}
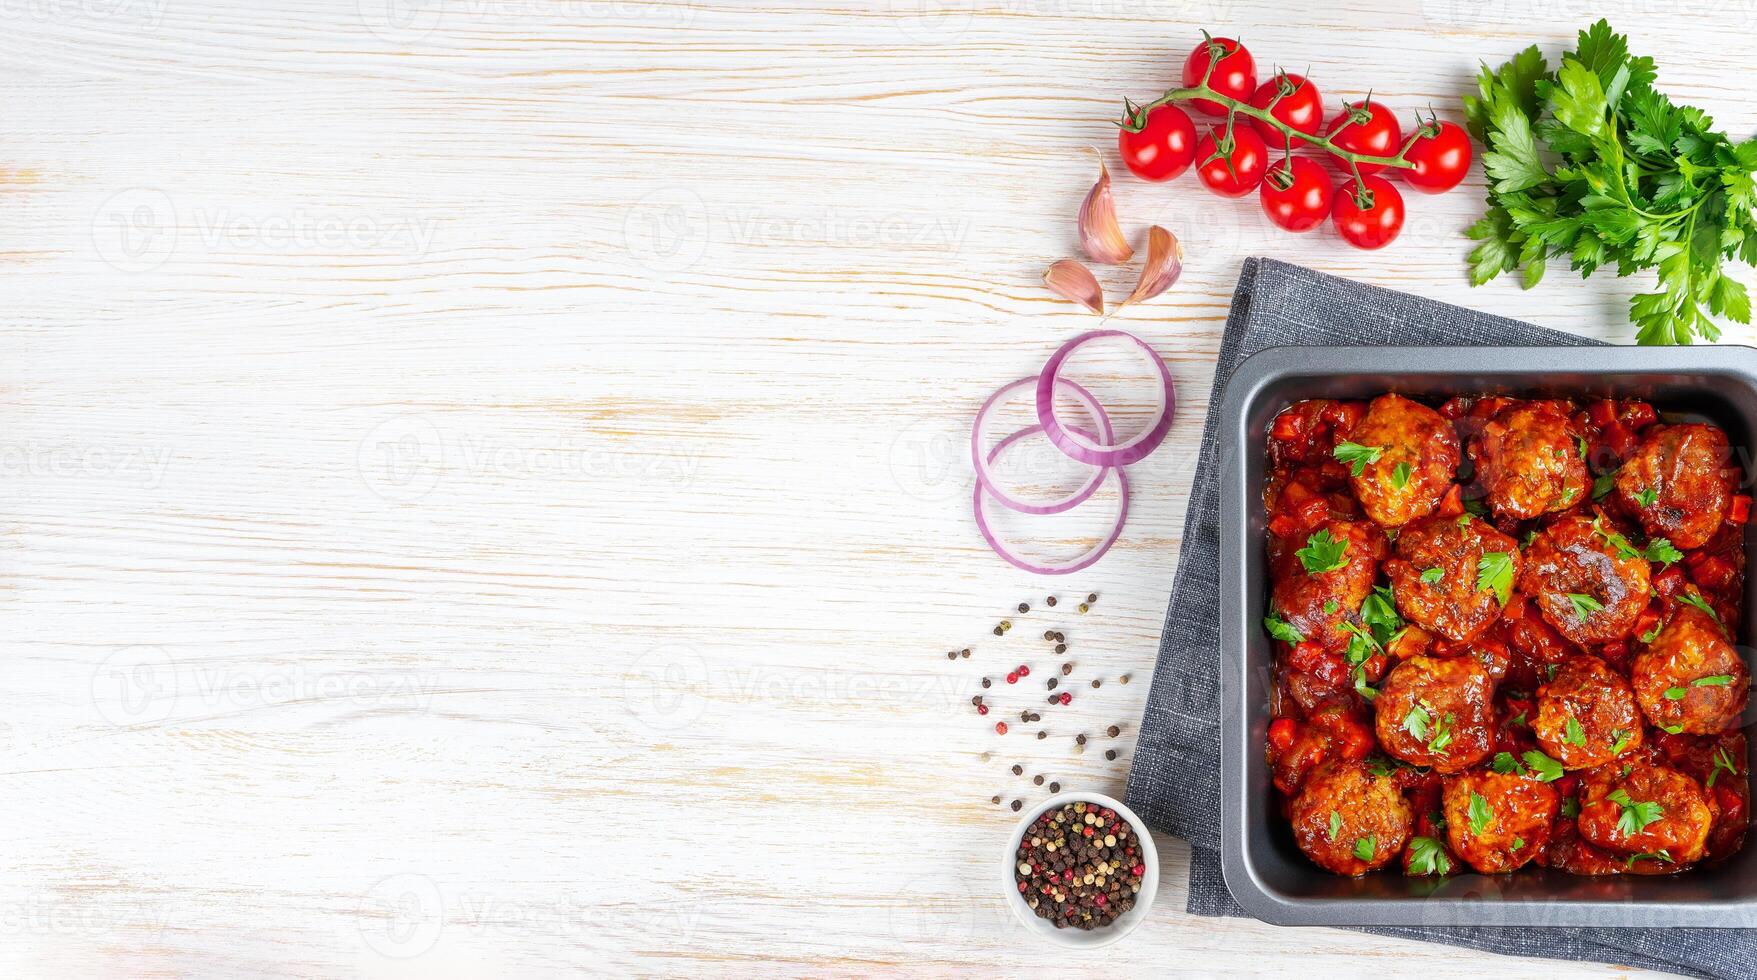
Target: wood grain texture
{"points": [[487, 487]]}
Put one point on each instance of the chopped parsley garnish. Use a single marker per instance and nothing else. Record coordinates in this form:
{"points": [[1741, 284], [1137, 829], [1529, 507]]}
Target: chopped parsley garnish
{"points": [[1335, 825], [1400, 475], [1432, 575], [1647, 497], [1323, 553], [1546, 769], [1494, 572], [1584, 605], [1506, 764], [1477, 507], [1695, 599], [1570, 808], [1661, 550], [1723, 760], [1442, 734], [1364, 846], [1662, 856], [1621, 743], [1479, 813], [1573, 734], [1634, 816], [1282, 630], [1652, 634], [1428, 857], [1580, 444], [1603, 485], [1415, 722], [1330, 607], [1357, 456], [1518, 842]]}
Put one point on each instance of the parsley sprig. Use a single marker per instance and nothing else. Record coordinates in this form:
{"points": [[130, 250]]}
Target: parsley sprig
{"points": [[1323, 553], [1634, 815], [1592, 164]]}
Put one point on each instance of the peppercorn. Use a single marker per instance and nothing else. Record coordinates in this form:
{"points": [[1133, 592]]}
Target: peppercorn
{"points": [[1036, 717], [986, 682], [1067, 668], [1024, 716], [982, 709], [965, 653], [1110, 754], [1124, 678], [951, 654], [998, 631], [1052, 683], [1079, 740], [1037, 780], [1006, 624], [1024, 670], [1095, 682], [1049, 600], [1059, 638], [1012, 677], [996, 798], [975, 699], [1024, 608], [1053, 788], [1092, 597], [1084, 607], [1113, 731], [1017, 806], [1018, 770], [1067, 698], [1049, 634], [1000, 727], [1041, 735], [1061, 648]]}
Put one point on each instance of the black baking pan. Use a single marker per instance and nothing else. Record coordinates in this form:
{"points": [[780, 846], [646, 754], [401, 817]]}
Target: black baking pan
{"points": [[1264, 869]]}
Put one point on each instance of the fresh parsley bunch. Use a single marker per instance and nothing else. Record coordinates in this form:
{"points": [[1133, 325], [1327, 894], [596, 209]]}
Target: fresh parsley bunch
{"points": [[1591, 163]]}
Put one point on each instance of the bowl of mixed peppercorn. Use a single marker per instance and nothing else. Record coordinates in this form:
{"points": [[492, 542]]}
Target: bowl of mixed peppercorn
{"points": [[1080, 871]]}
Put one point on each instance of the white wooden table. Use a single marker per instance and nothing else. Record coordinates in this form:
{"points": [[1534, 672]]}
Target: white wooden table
{"points": [[485, 480]]}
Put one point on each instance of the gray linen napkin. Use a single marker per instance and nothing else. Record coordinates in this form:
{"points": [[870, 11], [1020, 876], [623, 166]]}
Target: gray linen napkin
{"points": [[1175, 781]]}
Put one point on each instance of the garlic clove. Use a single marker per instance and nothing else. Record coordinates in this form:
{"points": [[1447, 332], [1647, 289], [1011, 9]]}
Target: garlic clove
{"points": [[1165, 262], [1069, 279], [1100, 235]]}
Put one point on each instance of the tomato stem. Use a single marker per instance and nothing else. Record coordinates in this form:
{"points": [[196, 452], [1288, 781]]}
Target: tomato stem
{"points": [[1234, 107]]}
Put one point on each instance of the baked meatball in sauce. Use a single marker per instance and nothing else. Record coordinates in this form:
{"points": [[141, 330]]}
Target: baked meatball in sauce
{"points": [[1678, 483], [1346, 811], [1417, 460], [1586, 714], [1666, 812], [1690, 679], [1591, 592], [1437, 712], [1528, 460], [1497, 822], [1318, 604], [1437, 572]]}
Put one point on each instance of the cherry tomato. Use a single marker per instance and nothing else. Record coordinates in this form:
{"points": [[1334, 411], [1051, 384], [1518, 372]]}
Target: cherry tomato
{"points": [[1231, 166], [1163, 148], [1369, 217], [1367, 128], [1296, 198], [1441, 154], [1235, 74], [1299, 106]]}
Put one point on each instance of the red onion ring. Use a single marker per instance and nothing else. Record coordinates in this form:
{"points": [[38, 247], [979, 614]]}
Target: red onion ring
{"points": [[985, 477], [1081, 447], [1059, 568]]}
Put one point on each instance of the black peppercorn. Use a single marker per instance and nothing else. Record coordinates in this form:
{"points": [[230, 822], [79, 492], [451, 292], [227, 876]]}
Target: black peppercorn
{"points": [[1061, 648], [1018, 770], [1052, 683], [1113, 731], [1110, 754], [1049, 601], [1018, 805], [1023, 608]]}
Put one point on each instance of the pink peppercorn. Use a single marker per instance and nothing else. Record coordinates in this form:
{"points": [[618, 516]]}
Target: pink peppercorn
{"points": [[1066, 698], [1000, 728], [1024, 670], [1013, 677], [982, 709]]}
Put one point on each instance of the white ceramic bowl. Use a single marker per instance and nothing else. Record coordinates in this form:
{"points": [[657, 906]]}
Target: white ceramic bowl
{"points": [[1070, 936]]}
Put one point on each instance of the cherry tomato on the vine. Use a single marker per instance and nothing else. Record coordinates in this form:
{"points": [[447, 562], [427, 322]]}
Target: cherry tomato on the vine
{"points": [[1235, 74], [1367, 128], [1296, 194], [1369, 216], [1231, 165], [1163, 148], [1441, 154], [1299, 106]]}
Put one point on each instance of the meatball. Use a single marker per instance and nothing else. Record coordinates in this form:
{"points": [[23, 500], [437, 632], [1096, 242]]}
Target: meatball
{"points": [[1528, 460], [1588, 589], [1568, 852], [1439, 713], [1678, 483], [1330, 733], [1497, 822], [1586, 714], [1318, 604], [1344, 812], [1690, 679], [1449, 602], [1653, 809], [1417, 459]]}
